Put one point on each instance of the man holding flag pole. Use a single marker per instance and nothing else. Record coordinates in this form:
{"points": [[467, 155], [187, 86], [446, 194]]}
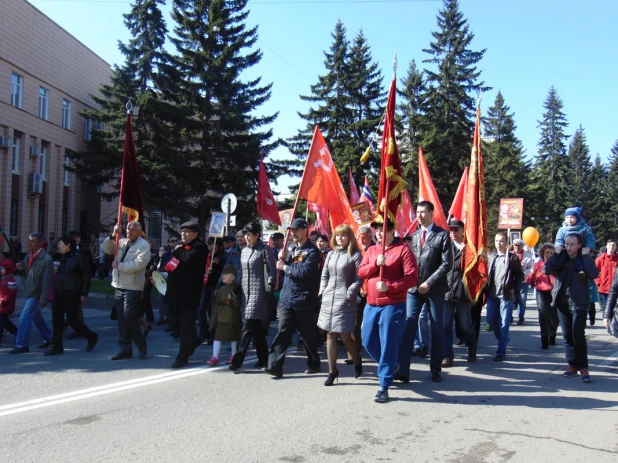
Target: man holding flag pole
{"points": [[389, 267]]}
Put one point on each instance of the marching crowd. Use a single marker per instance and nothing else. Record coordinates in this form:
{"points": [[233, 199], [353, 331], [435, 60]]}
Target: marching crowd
{"points": [[371, 290]]}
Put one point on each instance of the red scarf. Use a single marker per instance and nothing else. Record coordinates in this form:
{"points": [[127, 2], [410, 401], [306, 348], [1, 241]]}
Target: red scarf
{"points": [[33, 256]]}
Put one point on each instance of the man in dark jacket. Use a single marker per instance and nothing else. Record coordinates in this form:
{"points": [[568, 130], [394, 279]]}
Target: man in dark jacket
{"points": [[431, 246], [456, 300], [298, 301], [505, 277], [184, 288], [571, 294]]}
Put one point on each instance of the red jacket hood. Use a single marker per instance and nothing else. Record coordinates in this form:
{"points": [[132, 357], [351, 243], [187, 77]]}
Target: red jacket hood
{"points": [[8, 265]]}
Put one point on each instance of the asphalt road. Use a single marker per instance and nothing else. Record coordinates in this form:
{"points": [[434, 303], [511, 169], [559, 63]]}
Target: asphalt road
{"points": [[83, 407]]}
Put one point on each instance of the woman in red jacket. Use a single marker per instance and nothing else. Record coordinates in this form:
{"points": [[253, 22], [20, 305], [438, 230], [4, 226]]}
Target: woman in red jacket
{"points": [[8, 294], [548, 314]]}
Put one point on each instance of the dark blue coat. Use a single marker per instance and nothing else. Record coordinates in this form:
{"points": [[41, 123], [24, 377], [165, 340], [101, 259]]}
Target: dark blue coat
{"points": [[302, 278]]}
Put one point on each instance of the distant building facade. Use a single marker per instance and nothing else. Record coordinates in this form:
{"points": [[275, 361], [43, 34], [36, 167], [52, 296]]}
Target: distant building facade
{"points": [[46, 78]]}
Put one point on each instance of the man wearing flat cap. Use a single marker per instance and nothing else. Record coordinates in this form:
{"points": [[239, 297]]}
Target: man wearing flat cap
{"points": [[527, 262], [456, 300], [184, 288], [297, 301]]}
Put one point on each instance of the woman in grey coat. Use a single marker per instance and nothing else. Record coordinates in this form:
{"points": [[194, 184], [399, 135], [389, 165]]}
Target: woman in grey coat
{"points": [[256, 276], [339, 288]]}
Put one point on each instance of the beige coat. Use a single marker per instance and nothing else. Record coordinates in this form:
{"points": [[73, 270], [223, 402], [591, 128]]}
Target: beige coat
{"points": [[130, 273]]}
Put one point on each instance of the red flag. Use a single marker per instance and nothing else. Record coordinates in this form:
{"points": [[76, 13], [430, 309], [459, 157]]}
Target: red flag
{"points": [[406, 218], [457, 208], [391, 182], [475, 211], [321, 222], [354, 196], [321, 183], [427, 192], [130, 191], [313, 207], [266, 205]]}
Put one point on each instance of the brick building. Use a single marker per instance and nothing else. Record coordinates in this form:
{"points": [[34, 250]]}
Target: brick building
{"points": [[46, 77]]}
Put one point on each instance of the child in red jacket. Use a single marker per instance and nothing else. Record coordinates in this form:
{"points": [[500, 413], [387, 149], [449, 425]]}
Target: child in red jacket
{"points": [[8, 294]]}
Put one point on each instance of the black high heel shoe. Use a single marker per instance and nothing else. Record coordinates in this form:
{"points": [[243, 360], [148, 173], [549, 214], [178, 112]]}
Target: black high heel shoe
{"points": [[359, 370], [331, 378]]}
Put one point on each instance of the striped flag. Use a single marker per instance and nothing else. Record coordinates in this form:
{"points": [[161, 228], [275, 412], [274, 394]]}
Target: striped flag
{"points": [[366, 196]]}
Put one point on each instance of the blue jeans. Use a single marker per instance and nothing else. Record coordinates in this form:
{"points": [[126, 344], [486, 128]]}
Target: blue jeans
{"points": [[520, 299], [573, 324], [499, 314], [31, 313], [381, 333], [603, 301], [423, 337], [436, 302], [463, 310]]}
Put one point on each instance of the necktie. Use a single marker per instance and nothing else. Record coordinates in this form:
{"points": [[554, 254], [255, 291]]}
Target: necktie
{"points": [[423, 234]]}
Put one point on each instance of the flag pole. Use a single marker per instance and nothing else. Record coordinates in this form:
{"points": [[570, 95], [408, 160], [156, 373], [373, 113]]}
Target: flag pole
{"points": [[129, 107], [300, 187]]}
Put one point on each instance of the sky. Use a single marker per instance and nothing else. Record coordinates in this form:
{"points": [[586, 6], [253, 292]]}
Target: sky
{"points": [[531, 45]]}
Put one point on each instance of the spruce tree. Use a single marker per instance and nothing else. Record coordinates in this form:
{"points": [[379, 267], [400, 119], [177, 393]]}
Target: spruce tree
{"points": [[611, 191], [551, 168], [331, 106], [598, 208], [147, 77], [453, 83], [506, 172], [411, 123], [579, 171], [223, 136], [367, 100]]}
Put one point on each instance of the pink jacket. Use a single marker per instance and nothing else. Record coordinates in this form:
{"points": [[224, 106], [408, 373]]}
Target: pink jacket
{"points": [[8, 289]]}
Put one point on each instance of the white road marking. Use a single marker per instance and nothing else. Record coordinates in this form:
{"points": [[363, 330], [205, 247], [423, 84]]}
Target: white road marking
{"points": [[58, 399], [609, 360]]}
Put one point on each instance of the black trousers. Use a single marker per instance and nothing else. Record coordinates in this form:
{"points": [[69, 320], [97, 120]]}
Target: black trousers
{"points": [[289, 321], [185, 322], [128, 311], [6, 323], [251, 329], [475, 313], [548, 315], [71, 306]]}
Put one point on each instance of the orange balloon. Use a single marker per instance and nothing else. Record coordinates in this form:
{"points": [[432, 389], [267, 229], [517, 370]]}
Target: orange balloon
{"points": [[530, 236]]}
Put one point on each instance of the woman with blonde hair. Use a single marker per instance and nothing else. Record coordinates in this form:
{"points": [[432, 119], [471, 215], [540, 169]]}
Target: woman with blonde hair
{"points": [[339, 288]]}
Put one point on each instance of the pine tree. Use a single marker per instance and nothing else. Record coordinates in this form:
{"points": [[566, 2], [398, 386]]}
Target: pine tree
{"points": [[331, 106], [411, 123], [367, 100], [551, 169], [611, 192], [223, 137], [598, 209], [506, 172], [450, 99], [147, 77]]}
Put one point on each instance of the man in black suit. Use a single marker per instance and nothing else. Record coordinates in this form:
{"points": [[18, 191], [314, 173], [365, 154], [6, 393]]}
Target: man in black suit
{"points": [[184, 288], [431, 246]]}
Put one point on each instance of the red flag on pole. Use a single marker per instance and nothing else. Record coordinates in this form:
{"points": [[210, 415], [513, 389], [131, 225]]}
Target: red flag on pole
{"points": [[427, 192], [391, 182], [266, 205], [354, 196], [321, 183], [406, 217], [457, 208], [475, 257]]}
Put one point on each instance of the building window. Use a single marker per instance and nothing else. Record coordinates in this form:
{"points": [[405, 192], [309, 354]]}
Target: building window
{"points": [[66, 172], [155, 226], [41, 218], [43, 98], [66, 114], [17, 83], [100, 125], [65, 220], [15, 151], [13, 218], [42, 162], [88, 129]]}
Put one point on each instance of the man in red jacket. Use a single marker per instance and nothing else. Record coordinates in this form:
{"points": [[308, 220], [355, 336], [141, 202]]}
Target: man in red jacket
{"points": [[383, 320], [606, 263]]}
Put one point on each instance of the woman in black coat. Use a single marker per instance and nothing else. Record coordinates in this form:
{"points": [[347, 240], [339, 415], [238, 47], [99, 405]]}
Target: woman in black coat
{"points": [[71, 287]]}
